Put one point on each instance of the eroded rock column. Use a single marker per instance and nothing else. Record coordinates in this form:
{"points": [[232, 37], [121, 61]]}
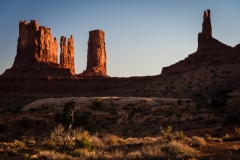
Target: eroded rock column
{"points": [[67, 54], [96, 56]]}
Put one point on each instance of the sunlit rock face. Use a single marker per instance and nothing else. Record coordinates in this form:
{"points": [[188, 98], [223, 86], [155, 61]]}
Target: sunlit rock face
{"points": [[37, 54], [67, 54], [36, 42], [96, 55]]}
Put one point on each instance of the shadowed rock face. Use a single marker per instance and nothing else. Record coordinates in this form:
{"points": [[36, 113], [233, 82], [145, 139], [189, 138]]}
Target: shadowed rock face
{"points": [[67, 54], [210, 52], [96, 57], [205, 39]]}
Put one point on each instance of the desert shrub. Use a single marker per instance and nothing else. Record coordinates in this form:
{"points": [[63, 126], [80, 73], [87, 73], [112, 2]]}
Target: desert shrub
{"points": [[96, 103], [168, 135], [227, 137], [236, 132], [178, 149], [179, 135], [171, 150], [48, 144], [62, 138], [113, 139], [29, 141], [198, 141], [98, 143], [232, 136], [208, 138], [18, 144], [83, 154], [236, 147], [84, 143], [12, 152], [52, 155], [3, 127]]}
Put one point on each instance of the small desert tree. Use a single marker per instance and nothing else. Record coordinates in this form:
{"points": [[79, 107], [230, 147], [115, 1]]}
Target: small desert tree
{"points": [[67, 116]]}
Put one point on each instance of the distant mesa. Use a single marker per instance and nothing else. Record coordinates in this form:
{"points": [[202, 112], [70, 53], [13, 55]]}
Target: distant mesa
{"points": [[210, 52], [37, 68], [37, 54], [205, 40]]}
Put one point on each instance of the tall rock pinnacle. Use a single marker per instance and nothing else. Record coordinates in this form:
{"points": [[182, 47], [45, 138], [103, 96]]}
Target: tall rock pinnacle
{"points": [[96, 55], [205, 40], [206, 33], [206, 25], [210, 51], [67, 54]]}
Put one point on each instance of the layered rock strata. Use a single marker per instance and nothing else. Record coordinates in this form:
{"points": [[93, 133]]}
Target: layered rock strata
{"points": [[96, 55], [37, 54], [210, 52], [35, 42], [67, 54]]}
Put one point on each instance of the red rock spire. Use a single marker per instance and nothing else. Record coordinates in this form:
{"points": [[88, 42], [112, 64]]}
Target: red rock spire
{"points": [[67, 54], [206, 25]]}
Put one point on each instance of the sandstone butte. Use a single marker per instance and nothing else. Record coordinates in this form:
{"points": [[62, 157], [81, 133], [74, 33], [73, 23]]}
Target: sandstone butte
{"points": [[96, 55], [210, 52], [36, 68]]}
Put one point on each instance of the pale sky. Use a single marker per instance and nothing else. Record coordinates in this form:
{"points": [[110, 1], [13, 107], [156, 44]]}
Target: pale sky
{"points": [[141, 36]]}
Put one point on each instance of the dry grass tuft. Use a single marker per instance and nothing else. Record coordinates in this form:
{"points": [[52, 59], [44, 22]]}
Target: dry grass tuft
{"points": [[198, 141], [113, 139], [51, 155]]}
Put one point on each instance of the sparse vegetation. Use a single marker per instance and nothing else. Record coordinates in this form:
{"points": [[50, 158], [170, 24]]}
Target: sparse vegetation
{"points": [[96, 103]]}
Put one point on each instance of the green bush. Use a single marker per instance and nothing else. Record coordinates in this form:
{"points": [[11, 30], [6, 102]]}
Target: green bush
{"points": [[84, 143], [96, 104]]}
